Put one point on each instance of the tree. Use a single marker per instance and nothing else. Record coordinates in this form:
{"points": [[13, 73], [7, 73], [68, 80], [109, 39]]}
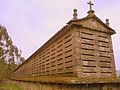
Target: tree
{"points": [[10, 56]]}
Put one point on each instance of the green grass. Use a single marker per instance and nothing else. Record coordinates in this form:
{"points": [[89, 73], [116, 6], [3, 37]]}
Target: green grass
{"points": [[9, 86]]}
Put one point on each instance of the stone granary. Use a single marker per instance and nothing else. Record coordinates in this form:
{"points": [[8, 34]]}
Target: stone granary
{"points": [[82, 48]]}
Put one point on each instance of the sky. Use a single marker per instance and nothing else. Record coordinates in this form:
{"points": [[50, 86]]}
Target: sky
{"points": [[31, 23]]}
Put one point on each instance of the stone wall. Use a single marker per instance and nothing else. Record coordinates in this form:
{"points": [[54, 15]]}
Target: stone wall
{"points": [[63, 86], [93, 53], [56, 58]]}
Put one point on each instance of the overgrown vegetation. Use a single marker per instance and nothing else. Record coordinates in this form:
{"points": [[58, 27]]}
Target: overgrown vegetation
{"points": [[9, 86], [10, 56], [119, 77]]}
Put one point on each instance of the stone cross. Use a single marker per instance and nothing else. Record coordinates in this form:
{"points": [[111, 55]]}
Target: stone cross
{"points": [[91, 4]]}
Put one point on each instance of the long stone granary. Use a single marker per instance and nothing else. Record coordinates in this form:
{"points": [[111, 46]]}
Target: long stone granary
{"points": [[82, 48]]}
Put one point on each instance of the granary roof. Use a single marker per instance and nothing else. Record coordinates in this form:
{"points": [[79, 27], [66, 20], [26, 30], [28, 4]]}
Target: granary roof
{"points": [[66, 28], [92, 15]]}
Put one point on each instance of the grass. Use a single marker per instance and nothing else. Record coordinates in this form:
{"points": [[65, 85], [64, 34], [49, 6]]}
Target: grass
{"points": [[9, 86]]}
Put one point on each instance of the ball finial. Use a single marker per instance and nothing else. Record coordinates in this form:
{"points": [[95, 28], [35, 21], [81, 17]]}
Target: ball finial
{"points": [[75, 10], [75, 14], [107, 22]]}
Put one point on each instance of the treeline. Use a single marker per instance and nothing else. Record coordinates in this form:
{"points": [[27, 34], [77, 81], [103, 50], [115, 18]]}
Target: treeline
{"points": [[10, 55]]}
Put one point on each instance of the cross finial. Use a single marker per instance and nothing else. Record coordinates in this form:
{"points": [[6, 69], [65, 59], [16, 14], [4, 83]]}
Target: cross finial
{"points": [[91, 4]]}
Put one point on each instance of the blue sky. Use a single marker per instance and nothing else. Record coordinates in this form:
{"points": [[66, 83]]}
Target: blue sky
{"points": [[31, 23]]}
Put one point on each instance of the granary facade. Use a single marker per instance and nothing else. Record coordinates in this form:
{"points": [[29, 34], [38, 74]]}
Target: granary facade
{"points": [[82, 48]]}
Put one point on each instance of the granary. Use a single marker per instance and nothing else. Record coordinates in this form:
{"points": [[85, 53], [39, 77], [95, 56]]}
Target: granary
{"points": [[82, 48]]}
